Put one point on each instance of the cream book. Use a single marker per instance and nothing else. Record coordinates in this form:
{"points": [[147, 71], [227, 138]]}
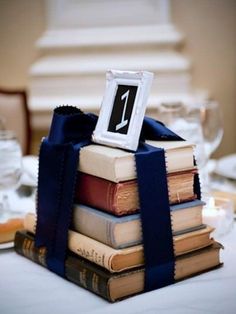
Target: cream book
{"points": [[118, 165], [128, 258]]}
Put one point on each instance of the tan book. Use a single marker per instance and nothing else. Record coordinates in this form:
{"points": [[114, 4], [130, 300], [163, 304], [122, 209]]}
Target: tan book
{"points": [[114, 287], [9, 228], [123, 259], [118, 165]]}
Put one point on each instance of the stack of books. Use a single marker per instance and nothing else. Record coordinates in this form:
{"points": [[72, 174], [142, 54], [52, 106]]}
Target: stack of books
{"points": [[105, 239]]}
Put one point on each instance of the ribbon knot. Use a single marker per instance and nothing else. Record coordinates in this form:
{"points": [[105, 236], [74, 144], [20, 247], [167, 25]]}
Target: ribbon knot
{"points": [[71, 125]]}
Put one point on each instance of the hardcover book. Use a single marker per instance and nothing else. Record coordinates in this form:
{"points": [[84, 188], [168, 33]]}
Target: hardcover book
{"points": [[114, 287], [117, 260], [125, 231], [122, 198], [118, 165]]}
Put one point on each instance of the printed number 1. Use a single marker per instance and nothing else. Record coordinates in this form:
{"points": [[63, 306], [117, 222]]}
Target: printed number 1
{"points": [[123, 121]]}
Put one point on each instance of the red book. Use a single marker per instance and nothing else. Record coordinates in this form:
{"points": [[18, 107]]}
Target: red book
{"points": [[122, 198]]}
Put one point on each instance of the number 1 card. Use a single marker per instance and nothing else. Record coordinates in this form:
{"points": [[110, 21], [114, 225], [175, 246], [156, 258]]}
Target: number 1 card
{"points": [[123, 108]]}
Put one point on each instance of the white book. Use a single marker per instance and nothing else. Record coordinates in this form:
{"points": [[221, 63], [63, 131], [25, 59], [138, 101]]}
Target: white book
{"points": [[118, 165]]}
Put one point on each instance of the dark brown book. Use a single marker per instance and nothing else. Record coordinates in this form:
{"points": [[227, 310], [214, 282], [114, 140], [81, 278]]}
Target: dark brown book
{"points": [[122, 198], [114, 287]]}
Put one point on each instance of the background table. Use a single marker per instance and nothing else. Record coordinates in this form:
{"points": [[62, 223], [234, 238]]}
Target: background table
{"points": [[27, 288]]}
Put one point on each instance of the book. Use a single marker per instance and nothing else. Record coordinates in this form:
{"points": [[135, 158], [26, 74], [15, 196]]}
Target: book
{"points": [[125, 231], [122, 197], [114, 287], [9, 228], [117, 260], [118, 165]]}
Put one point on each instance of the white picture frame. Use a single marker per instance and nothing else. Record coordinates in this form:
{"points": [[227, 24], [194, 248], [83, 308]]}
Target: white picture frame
{"points": [[123, 108]]}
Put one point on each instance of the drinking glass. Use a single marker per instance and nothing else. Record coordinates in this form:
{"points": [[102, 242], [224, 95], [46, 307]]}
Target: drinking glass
{"points": [[185, 120], [212, 125], [10, 171]]}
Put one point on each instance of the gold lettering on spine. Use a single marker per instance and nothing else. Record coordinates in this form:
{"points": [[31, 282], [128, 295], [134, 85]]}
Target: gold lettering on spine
{"points": [[31, 251], [24, 246], [95, 280], [92, 256], [82, 277], [27, 244], [41, 256]]}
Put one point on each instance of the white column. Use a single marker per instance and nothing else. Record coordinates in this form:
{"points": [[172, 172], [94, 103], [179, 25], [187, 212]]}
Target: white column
{"points": [[85, 38]]}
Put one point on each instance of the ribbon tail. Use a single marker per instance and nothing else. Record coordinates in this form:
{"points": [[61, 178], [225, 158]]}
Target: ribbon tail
{"points": [[155, 217], [57, 179]]}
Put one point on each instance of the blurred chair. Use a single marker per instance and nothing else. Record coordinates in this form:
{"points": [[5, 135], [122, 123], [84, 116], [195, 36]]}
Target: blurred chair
{"points": [[15, 114]]}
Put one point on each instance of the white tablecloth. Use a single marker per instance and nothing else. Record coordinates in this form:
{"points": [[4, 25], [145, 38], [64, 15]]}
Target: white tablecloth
{"points": [[27, 288]]}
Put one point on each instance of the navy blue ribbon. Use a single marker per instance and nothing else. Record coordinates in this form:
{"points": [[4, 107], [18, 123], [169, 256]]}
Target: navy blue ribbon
{"points": [[155, 217], [58, 161]]}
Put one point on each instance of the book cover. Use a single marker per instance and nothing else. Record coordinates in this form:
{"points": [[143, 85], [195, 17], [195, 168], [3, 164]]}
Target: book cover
{"points": [[117, 260], [115, 287], [122, 198], [118, 165]]}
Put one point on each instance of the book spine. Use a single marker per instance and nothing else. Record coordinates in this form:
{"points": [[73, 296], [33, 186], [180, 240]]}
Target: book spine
{"points": [[96, 192], [93, 226], [76, 271], [82, 276], [102, 227], [24, 245], [116, 165], [122, 198], [100, 165], [115, 198]]}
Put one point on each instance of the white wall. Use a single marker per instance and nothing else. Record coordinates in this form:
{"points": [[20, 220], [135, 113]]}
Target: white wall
{"points": [[209, 26]]}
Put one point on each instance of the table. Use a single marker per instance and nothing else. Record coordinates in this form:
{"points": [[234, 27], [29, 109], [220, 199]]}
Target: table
{"points": [[27, 288]]}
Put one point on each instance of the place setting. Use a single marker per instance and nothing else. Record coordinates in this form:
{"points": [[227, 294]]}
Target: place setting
{"points": [[18, 181]]}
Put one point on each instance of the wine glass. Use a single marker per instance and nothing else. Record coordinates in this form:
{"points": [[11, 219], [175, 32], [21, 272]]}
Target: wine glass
{"points": [[212, 125], [185, 120], [10, 171]]}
